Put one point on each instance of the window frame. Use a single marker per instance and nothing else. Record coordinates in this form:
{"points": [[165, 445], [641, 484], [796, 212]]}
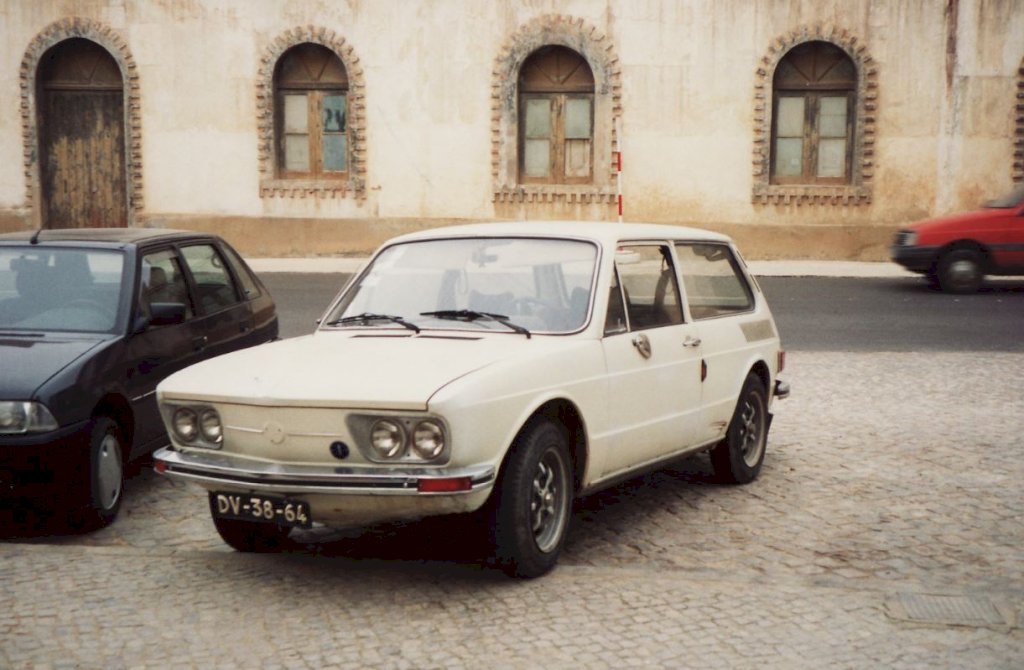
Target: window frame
{"points": [[557, 138], [812, 137]]}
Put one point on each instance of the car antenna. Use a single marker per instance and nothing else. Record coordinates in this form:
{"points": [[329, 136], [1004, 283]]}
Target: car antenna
{"points": [[35, 236]]}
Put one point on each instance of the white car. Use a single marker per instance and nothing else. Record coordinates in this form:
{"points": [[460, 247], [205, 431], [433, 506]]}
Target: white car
{"points": [[497, 369]]}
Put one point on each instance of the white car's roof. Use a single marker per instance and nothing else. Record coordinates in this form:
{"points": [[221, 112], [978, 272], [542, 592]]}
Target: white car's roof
{"points": [[604, 233]]}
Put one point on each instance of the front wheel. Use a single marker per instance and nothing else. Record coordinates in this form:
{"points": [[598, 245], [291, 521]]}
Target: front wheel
{"points": [[99, 478], [532, 510], [960, 271], [738, 458], [252, 536]]}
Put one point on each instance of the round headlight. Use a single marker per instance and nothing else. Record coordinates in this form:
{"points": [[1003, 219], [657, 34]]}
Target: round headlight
{"points": [[209, 426], [428, 439], [387, 438], [186, 424]]}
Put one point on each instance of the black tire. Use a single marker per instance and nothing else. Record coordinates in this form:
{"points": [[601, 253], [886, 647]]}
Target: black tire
{"points": [[98, 480], [960, 271], [738, 458], [533, 502], [255, 537]]}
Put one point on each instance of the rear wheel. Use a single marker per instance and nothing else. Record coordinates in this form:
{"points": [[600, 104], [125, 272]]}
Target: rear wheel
{"points": [[252, 536], [532, 510], [960, 271], [738, 458]]}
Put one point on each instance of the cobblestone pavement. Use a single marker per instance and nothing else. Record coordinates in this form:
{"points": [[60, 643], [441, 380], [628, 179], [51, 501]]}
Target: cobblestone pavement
{"points": [[891, 480]]}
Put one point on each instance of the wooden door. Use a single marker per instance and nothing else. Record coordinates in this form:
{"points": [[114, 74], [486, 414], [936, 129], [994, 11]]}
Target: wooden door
{"points": [[82, 137]]}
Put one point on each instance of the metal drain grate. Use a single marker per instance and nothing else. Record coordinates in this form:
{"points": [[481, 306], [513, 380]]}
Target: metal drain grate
{"points": [[950, 610]]}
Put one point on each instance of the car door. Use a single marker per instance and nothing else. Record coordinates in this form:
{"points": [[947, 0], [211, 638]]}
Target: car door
{"points": [[1007, 239], [652, 358], [155, 350], [224, 321], [720, 301]]}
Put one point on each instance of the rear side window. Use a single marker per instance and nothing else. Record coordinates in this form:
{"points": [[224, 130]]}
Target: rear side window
{"points": [[215, 290], [250, 289], [712, 279]]}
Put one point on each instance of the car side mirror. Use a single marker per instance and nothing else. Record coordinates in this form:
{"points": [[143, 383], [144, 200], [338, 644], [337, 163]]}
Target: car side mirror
{"points": [[166, 313]]}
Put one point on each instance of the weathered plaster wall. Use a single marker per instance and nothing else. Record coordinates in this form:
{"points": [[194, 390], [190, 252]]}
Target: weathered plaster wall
{"points": [[947, 73]]}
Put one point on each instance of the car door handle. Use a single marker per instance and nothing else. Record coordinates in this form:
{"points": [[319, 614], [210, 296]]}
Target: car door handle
{"points": [[199, 343], [642, 344], [691, 341]]}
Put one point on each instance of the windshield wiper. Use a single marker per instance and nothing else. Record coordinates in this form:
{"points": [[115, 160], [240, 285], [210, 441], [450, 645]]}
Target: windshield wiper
{"points": [[473, 315], [366, 317]]}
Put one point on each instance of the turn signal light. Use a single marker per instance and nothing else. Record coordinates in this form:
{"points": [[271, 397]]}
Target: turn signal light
{"points": [[444, 485]]}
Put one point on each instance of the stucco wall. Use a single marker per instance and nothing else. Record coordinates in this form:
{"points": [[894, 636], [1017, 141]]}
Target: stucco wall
{"points": [[944, 125]]}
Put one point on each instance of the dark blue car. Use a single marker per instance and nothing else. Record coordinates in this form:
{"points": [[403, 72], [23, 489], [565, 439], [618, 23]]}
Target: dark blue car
{"points": [[91, 320]]}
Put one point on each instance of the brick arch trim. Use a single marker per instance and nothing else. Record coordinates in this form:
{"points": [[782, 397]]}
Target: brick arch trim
{"points": [[116, 46], [270, 185], [1018, 145], [599, 51], [859, 190]]}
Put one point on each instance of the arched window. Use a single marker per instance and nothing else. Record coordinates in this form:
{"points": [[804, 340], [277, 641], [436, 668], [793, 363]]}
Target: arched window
{"points": [[813, 113], [311, 112], [556, 112]]}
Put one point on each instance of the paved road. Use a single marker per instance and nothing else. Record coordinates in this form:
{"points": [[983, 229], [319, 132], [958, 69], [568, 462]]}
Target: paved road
{"points": [[813, 313], [887, 530]]}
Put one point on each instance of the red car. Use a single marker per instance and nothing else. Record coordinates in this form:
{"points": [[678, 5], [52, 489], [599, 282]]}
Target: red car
{"points": [[956, 252]]}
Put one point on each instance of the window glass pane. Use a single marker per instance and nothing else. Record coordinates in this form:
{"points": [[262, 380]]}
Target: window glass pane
{"points": [[538, 117], [577, 158], [791, 118], [334, 113], [832, 158], [250, 288], [712, 279], [832, 117], [789, 157], [652, 298], [296, 152], [161, 280], [537, 158], [334, 152], [214, 287], [296, 114], [577, 119]]}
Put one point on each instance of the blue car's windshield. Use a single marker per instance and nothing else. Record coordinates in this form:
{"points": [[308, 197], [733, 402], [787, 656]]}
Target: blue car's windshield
{"points": [[59, 289]]}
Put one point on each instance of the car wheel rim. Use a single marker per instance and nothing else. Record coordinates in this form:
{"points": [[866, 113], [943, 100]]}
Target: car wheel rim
{"points": [[751, 443], [108, 472], [548, 500], [963, 272]]}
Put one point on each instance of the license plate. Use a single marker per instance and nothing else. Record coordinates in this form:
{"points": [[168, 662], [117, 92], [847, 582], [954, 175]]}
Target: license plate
{"points": [[249, 507]]}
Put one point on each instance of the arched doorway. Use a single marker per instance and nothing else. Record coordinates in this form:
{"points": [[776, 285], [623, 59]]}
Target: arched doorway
{"points": [[81, 137]]}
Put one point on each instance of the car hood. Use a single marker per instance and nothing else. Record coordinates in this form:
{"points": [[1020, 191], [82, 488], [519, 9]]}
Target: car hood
{"points": [[28, 361], [962, 221], [347, 369]]}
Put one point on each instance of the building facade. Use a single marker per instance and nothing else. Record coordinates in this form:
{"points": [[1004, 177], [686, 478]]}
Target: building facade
{"points": [[804, 129]]}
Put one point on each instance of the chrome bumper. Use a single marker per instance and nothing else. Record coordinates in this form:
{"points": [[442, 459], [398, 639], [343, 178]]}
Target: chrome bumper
{"points": [[217, 469], [781, 389]]}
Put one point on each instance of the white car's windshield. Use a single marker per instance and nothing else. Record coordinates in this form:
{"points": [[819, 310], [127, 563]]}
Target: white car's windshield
{"points": [[525, 285], [59, 289]]}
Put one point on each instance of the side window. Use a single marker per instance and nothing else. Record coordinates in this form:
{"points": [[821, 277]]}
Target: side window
{"points": [[615, 321], [214, 288], [161, 280], [649, 286], [714, 284], [250, 289]]}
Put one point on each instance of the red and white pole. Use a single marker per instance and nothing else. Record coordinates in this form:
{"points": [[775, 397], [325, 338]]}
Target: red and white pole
{"points": [[618, 166]]}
